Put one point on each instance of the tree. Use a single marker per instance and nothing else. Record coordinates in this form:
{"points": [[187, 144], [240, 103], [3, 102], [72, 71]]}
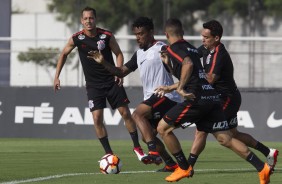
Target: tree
{"points": [[42, 56], [113, 14]]}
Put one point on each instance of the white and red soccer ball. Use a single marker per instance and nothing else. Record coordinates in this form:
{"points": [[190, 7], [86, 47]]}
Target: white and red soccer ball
{"points": [[110, 164]]}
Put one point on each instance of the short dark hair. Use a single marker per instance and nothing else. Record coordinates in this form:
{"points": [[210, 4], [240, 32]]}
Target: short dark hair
{"points": [[87, 8], [145, 22], [175, 26], [215, 27]]}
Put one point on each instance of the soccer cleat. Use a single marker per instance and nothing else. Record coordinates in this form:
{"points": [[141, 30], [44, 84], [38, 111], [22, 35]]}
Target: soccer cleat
{"points": [[272, 157], [167, 168], [264, 174], [152, 158], [139, 152], [179, 173]]}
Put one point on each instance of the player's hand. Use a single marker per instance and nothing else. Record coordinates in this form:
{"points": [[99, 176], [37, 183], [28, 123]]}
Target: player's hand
{"points": [[57, 85], [185, 95], [119, 81], [164, 56], [161, 91], [96, 55]]}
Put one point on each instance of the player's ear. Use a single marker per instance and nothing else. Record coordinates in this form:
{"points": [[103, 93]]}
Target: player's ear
{"points": [[217, 38]]}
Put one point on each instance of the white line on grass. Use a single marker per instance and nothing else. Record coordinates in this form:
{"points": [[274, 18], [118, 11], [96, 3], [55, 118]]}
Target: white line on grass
{"points": [[125, 172]]}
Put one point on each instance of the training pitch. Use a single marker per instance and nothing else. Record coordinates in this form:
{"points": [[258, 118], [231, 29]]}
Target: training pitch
{"points": [[76, 161]]}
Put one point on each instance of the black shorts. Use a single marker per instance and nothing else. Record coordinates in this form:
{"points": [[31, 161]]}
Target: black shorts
{"points": [[159, 107], [206, 114], [115, 95], [231, 105]]}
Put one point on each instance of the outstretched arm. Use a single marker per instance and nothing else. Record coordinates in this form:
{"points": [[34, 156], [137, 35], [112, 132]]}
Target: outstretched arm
{"points": [[117, 71]]}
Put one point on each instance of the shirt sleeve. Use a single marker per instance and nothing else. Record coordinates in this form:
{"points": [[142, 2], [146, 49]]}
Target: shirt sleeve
{"points": [[132, 63], [178, 53]]}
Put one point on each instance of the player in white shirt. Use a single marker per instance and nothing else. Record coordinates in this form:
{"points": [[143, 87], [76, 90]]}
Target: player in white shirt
{"points": [[153, 73]]}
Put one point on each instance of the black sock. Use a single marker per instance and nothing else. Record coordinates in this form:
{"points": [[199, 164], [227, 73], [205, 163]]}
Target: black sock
{"points": [[262, 148], [255, 161], [181, 160], [135, 139], [169, 161], [192, 159], [152, 146], [106, 145]]}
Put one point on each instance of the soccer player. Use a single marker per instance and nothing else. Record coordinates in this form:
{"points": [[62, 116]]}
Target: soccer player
{"points": [[220, 73], [100, 84], [153, 73], [201, 106]]}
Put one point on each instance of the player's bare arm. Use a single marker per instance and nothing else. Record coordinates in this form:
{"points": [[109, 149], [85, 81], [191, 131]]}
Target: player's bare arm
{"points": [[211, 77], [119, 56], [186, 71], [61, 62], [116, 71], [162, 90]]}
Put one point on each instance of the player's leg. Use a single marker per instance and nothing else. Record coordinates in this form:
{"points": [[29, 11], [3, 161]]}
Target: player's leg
{"points": [[225, 139], [170, 164], [131, 127], [198, 146], [101, 131], [97, 102], [117, 98], [270, 153], [172, 143], [231, 105], [141, 115]]}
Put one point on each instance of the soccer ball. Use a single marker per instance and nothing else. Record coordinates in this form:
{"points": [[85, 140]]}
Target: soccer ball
{"points": [[110, 164]]}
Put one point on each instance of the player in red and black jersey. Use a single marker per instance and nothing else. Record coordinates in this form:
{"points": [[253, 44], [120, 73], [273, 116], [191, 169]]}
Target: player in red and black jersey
{"points": [[201, 105], [101, 85], [220, 71]]}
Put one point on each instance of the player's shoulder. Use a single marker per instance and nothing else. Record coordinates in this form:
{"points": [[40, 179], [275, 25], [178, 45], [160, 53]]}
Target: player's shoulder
{"points": [[103, 32], [78, 33]]}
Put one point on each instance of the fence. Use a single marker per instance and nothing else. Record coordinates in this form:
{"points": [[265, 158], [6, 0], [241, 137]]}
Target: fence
{"points": [[256, 61]]}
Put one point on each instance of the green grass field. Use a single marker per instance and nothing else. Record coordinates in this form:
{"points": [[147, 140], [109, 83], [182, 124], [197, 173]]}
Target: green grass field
{"points": [[76, 161]]}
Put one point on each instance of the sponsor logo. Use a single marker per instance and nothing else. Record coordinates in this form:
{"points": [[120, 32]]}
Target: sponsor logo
{"points": [[192, 50], [207, 87], [142, 61], [272, 122], [157, 115], [223, 125], [103, 36], [168, 118], [81, 37], [233, 121], [186, 124]]}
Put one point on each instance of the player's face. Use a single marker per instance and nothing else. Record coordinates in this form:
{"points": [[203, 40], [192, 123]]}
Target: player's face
{"points": [[143, 37], [88, 20], [208, 40]]}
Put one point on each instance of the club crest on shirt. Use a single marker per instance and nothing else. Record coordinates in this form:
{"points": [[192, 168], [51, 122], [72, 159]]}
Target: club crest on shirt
{"points": [[81, 37], [103, 36], [100, 44]]}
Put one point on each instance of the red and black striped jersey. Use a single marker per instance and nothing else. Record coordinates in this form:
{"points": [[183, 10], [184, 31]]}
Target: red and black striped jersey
{"points": [[219, 62], [197, 83], [95, 74]]}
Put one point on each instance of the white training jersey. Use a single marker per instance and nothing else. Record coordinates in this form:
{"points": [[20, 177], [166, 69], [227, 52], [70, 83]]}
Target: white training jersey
{"points": [[153, 72]]}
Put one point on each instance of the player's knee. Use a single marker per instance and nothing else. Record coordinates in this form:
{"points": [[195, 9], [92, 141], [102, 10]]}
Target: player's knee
{"points": [[125, 114], [224, 140]]}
